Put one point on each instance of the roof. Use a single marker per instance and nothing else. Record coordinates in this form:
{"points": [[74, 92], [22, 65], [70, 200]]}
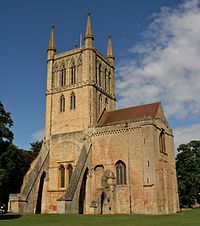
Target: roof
{"points": [[141, 112]]}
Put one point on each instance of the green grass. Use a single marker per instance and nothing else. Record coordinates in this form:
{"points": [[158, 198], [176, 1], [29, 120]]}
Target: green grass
{"points": [[186, 218]]}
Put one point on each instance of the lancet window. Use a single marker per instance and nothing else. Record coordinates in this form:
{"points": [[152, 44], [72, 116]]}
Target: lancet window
{"points": [[100, 103], [120, 173], [109, 79], [70, 171], [63, 77], [99, 74], [105, 77], [62, 103], [72, 101], [162, 142], [73, 73], [62, 176]]}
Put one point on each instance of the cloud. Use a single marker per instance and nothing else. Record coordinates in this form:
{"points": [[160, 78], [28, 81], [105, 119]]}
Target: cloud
{"points": [[38, 135], [186, 134], [165, 65]]}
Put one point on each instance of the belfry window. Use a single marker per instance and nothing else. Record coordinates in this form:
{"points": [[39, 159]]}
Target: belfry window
{"points": [[106, 104], [72, 101], [109, 78], [99, 75], [162, 142], [105, 77], [70, 171], [62, 103], [100, 103], [73, 73], [63, 77], [62, 176], [120, 173]]}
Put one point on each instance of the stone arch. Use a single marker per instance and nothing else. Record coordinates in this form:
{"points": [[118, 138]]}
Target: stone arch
{"points": [[39, 194], [103, 197], [82, 193]]}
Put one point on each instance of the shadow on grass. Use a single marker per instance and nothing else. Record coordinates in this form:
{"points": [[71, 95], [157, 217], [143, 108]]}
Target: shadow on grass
{"points": [[9, 216]]}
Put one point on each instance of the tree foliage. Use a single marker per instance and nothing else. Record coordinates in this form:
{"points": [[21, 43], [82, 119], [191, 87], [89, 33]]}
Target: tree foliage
{"points": [[14, 162], [35, 147], [6, 135], [188, 173]]}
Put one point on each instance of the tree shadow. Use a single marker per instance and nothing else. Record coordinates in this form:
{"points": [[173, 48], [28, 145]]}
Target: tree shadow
{"points": [[9, 216]]}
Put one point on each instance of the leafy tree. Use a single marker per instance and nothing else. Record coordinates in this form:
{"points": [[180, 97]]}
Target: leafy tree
{"points": [[14, 162], [35, 147], [6, 135], [188, 173]]}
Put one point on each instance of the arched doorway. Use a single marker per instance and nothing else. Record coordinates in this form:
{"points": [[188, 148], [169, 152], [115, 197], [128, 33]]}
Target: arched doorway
{"points": [[82, 193], [102, 201], [39, 198]]}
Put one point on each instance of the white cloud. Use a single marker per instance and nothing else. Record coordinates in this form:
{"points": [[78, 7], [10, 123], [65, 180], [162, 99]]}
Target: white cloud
{"points": [[166, 65], [183, 135], [38, 135]]}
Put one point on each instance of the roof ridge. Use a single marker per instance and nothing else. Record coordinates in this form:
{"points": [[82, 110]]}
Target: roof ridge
{"points": [[132, 113], [135, 106]]}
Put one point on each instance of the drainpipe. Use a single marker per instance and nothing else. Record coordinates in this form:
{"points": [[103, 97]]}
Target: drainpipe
{"points": [[129, 171]]}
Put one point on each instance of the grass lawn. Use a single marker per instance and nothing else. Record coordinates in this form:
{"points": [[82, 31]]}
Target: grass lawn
{"points": [[186, 218]]}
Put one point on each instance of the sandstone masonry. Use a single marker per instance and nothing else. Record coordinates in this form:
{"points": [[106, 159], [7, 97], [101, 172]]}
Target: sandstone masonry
{"points": [[96, 159]]}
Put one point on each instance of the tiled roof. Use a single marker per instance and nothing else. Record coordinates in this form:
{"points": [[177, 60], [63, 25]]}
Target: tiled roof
{"points": [[127, 114]]}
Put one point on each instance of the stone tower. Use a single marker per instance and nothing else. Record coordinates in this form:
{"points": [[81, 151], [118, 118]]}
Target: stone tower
{"points": [[80, 85], [96, 159]]}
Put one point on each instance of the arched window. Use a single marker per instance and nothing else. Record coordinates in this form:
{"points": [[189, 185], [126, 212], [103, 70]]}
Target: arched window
{"points": [[109, 78], [55, 75], [120, 173], [99, 75], [105, 77], [62, 103], [100, 103], [162, 141], [72, 101], [106, 104], [79, 70], [62, 176], [70, 171], [63, 77], [73, 73]]}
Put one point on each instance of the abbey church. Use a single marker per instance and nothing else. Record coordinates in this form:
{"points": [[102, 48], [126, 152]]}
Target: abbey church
{"points": [[96, 159]]}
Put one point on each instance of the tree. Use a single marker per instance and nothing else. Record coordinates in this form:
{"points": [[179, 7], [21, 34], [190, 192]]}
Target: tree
{"points": [[6, 135], [188, 173], [14, 162], [35, 147]]}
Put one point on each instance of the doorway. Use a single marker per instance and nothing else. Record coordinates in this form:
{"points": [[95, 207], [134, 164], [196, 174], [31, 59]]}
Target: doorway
{"points": [[102, 202], [82, 193], [39, 198]]}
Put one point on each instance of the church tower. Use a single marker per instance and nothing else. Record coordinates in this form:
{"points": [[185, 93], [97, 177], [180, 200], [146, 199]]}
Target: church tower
{"points": [[80, 85], [96, 159]]}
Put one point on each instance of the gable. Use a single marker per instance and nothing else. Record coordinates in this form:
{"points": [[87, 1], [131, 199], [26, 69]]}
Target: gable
{"points": [[160, 115]]}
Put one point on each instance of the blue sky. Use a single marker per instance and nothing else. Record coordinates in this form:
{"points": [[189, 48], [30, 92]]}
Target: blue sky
{"points": [[157, 52]]}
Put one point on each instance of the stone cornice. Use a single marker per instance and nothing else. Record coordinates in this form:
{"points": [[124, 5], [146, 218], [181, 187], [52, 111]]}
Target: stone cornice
{"points": [[75, 51], [114, 131], [80, 85]]}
